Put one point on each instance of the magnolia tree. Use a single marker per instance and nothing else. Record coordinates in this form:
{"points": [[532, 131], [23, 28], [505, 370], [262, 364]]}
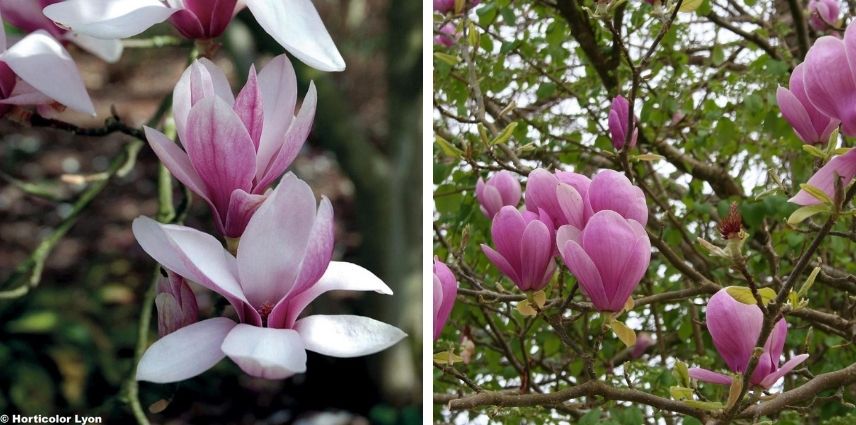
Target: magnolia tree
{"points": [[268, 249], [643, 212]]}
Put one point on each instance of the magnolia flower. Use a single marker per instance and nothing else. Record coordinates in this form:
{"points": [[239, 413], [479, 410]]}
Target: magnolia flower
{"points": [[611, 190], [27, 16], [843, 166], [448, 35], [500, 190], [524, 251], [561, 202], [445, 291], [175, 303], [282, 264], [735, 328], [446, 6], [609, 257], [619, 123], [830, 67], [234, 147], [38, 71], [295, 24], [643, 342], [823, 14], [812, 126]]}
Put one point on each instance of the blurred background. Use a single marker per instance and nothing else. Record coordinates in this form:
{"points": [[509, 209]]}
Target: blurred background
{"points": [[67, 345]]}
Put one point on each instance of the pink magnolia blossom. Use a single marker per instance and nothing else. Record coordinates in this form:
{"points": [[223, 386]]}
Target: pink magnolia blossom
{"points": [[500, 190], [234, 147], [609, 257], [175, 303], [294, 24], [561, 202], [282, 265], [619, 123], [38, 71], [27, 16], [735, 328], [643, 342], [811, 125], [823, 14], [448, 35], [843, 166], [446, 6], [830, 67], [612, 190], [445, 291], [524, 247]]}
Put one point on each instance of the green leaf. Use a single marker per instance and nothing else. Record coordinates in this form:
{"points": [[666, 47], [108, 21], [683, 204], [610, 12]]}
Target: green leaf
{"points": [[504, 135], [681, 393], [590, 418], [704, 405], [35, 322], [448, 148], [816, 193], [808, 282], [744, 294], [623, 332], [540, 299], [814, 151], [447, 357], [525, 308], [682, 373], [689, 6], [447, 58], [648, 157], [734, 391], [803, 213]]}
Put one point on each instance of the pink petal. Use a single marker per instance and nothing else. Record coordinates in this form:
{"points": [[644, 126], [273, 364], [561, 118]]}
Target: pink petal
{"points": [[339, 276], [610, 241], [705, 375], [572, 205], [588, 277], [176, 160], [824, 179], [275, 242], [242, 205], [439, 320], [784, 370], [43, 63], [296, 136], [278, 85], [734, 328], [249, 107], [27, 16], [319, 251], [186, 352], [796, 115], [541, 194], [220, 150], [202, 78], [266, 352], [501, 263], [634, 269], [611, 190], [346, 336], [506, 231], [536, 250], [828, 82], [776, 341], [448, 288]]}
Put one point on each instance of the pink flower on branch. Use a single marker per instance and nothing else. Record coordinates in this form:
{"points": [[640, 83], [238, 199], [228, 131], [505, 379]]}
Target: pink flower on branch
{"points": [[524, 247], [294, 24], [500, 190], [735, 328], [609, 257], [27, 16], [283, 263], [176, 304], [38, 71], [828, 78], [619, 123], [234, 147], [811, 125], [445, 291], [448, 35], [823, 14], [842, 166]]}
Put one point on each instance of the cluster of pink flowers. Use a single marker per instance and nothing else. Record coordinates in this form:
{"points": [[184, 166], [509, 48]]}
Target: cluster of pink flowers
{"points": [[596, 226], [235, 147]]}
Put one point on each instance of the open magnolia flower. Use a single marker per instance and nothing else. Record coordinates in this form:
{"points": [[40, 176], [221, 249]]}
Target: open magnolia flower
{"points": [[842, 166], [295, 24], [38, 71], [734, 328], [234, 148], [283, 263], [27, 16]]}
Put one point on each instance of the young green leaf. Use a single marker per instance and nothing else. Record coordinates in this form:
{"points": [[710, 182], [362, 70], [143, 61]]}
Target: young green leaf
{"points": [[803, 213]]}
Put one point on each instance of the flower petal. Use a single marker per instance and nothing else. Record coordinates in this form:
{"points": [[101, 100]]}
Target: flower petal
{"points": [[176, 161], [275, 241], [705, 375], [339, 276], [572, 205], [242, 206], [108, 18], [796, 115], [202, 78], [43, 63], [776, 341], [220, 150], [501, 263], [346, 336], [296, 25], [249, 107], [107, 50], [824, 179], [294, 138], [782, 371], [829, 82], [319, 250], [536, 251], [266, 352], [588, 277], [186, 352], [734, 328], [278, 85], [190, 253]]}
